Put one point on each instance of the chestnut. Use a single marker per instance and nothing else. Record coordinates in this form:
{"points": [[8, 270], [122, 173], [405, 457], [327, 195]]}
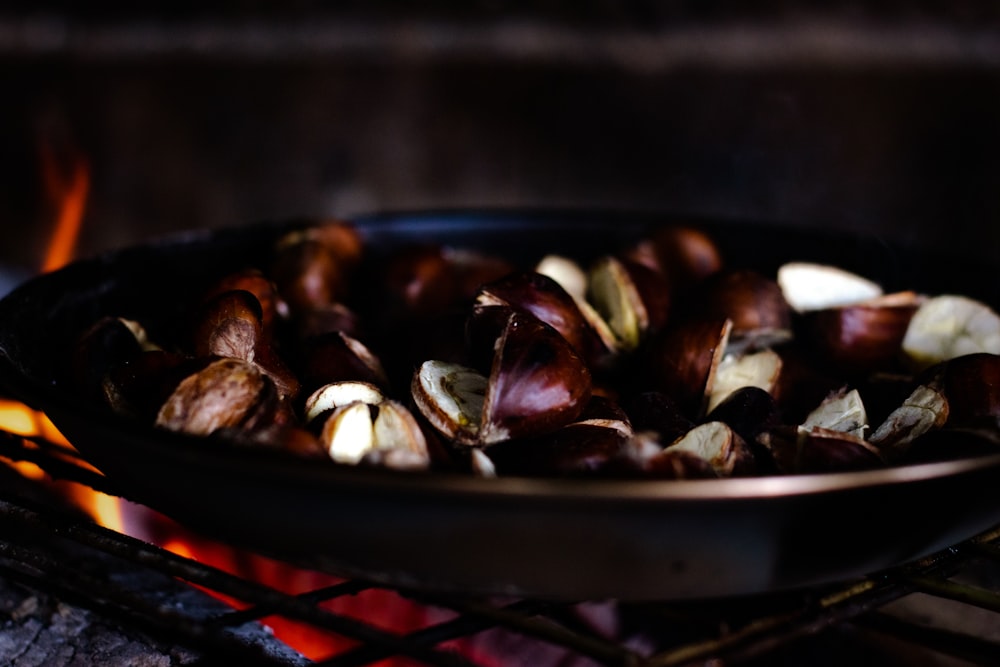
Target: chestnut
{"points": [[419, 280], [226, 393], [385, 433], [574, 280], [842, 411], [253, 280], [537, 383], [684, 360], [749, 369], [720, 446], [631, 297], [336, 356], [107, 343], [675, 463], [824, 450], [749, 411], [808, 286], [230, 324], [971, 383], [138, 387], [948, 326], [335, 394], [924, 410], [312, 266], [644, 456], [865, 337], [546, 299], [578, 449], [657, 412], [754, 302], [686, 254]]}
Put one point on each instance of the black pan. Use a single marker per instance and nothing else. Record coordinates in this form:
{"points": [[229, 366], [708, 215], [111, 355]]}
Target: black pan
{"points": [[562, 538]]}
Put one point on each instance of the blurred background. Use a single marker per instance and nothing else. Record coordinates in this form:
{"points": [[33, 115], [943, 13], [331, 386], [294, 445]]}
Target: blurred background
{"points": [[157, 117]]}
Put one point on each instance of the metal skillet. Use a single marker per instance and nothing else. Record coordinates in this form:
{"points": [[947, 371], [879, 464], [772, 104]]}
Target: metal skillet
{"points": [[552, 538]]}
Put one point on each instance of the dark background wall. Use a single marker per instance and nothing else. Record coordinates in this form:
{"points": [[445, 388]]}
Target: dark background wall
{"points": [[886, 122]]}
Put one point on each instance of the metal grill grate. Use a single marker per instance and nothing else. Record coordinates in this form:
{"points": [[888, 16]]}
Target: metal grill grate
{"points": [[36, 538]]}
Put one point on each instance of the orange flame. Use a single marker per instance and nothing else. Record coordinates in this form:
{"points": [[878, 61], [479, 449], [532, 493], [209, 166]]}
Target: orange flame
{"points": [[68, 187], [69, 192]]}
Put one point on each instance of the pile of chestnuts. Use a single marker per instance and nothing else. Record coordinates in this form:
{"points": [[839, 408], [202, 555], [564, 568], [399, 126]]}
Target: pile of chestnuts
{"points": [[656, 360]]}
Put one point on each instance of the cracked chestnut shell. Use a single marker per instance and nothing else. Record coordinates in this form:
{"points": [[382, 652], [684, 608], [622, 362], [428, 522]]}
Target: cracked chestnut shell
{"points": [[312, 266], [753, 301], [631, 297], [537, 384], [862, 337], [546, 299], [227, 393], [683, 362], [231, 324]]}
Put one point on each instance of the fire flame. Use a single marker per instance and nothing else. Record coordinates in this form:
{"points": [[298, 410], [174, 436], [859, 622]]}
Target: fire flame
{"points": [[67, 184], [69, 193], [68, 187]]}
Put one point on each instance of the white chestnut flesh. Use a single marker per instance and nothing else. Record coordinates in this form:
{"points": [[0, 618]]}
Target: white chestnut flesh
{"points": [[808, 286], [567, 272], [617, 299], [335, 394], [385, 434], [719, 445], [949, 326], [450, 396], [348, 433], [924, 410], [753, 369], [843, 411], [396, 429]]}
